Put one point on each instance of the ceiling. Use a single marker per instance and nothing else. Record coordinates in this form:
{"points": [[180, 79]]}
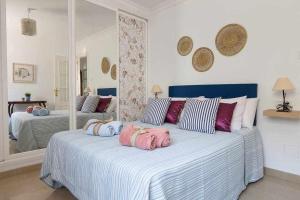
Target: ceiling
{"points": [[149, 4]]}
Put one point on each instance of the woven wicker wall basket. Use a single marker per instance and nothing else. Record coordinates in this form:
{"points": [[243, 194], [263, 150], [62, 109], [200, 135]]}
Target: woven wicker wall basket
{"points": [[105, 65], [231, 39], [203, 59], [113, 72], [185, 46]]}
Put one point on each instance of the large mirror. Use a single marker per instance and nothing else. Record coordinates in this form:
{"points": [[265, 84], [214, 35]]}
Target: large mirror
{"points": [[97, 59], [37, 69]]}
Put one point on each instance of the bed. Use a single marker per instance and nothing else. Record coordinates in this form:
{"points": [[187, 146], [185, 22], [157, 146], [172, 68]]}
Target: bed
{"points": [[195, 166], [33, 132]]}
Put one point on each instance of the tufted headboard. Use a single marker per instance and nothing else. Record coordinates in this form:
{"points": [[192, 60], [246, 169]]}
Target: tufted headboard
{"points": [[107, 91], [216, 90]]}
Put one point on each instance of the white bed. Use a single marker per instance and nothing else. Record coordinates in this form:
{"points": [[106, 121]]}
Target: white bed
{"points": [[195, 166], [34, 132]]}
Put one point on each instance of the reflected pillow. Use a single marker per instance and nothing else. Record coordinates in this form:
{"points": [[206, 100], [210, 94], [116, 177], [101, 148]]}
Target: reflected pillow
{"points": [[113, 105], [103, 105], [224, 116], [90, 104], [79, 102], [174, 111]]}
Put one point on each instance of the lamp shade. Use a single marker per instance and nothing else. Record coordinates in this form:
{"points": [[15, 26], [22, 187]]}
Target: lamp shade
{"points": [[156, 89], [87, 90], [283, 83], [28, 26]]}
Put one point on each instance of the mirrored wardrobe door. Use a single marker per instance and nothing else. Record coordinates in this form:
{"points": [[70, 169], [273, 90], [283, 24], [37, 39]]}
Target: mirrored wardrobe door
{"points": [[97, 62], [37, 71]]}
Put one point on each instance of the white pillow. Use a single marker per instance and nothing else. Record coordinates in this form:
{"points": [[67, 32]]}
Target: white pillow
{"points": [[236, 122], [250, 112], [113, 105]]}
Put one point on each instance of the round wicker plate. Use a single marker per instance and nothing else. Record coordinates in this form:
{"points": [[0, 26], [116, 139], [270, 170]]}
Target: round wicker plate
{"points": [[113, 72], [105, 65], [203, 59], [231, 39], [185, 46]]}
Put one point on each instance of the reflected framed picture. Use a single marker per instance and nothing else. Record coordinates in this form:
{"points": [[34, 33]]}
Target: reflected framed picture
{"points": [[23, 73]]}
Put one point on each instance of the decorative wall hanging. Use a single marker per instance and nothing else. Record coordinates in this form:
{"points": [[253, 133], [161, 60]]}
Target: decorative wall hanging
{"points": [[105, 65], [113, 72], [23, 73], [231, 39], [185, 46], [203, 59], [28, 25], [132, 66]]}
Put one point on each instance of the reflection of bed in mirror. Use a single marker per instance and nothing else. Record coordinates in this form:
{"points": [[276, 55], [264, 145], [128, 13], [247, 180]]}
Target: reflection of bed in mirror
{"points": [[32, 132]]}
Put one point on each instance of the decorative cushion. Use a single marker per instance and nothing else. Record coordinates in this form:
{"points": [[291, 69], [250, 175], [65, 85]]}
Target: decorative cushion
{"points": [[156, 111], [249, 113], [174, 111], [90, 104], [103, 105], [201, 98], [79, 102], [236, 122], [200, 115], [113, 105], [224, 116]]}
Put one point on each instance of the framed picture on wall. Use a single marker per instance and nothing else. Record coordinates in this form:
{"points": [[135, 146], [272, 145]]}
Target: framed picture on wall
{"points": [[23, 73]]}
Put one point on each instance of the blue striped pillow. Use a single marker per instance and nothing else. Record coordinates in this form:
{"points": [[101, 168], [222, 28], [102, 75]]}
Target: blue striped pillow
{"points": [[200, 115], [156, 111]]}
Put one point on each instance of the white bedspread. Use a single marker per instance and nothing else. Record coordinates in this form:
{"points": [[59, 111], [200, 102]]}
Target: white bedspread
{"points": [[195, 166], [34, 132]]}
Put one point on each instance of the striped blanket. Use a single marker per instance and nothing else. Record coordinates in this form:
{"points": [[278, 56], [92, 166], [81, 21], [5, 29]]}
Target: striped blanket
{"points": [[195, 166]]}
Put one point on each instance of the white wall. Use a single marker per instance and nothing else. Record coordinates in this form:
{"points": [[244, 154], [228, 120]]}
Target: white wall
{"points": [[40, 50], [272, 51], [95, 47]]}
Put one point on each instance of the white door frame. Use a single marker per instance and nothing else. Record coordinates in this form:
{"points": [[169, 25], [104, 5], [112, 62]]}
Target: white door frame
{"points": [[9, 162]]}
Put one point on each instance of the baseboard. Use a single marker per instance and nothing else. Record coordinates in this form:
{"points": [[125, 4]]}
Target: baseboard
{"points": [[18, 171], [19, 163], [282, 175]]}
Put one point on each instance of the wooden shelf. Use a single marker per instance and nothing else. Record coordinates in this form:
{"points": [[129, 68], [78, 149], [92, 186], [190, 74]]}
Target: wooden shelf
{"points": [[286, 115]]}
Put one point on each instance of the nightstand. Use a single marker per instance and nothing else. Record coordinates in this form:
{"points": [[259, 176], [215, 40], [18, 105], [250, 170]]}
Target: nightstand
{"points": [[287, 115]]}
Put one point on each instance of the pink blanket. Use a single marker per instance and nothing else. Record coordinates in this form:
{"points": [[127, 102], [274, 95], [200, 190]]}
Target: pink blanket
{"points": [[144, 138]]}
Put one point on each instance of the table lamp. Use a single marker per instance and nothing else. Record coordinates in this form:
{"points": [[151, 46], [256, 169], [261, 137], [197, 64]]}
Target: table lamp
{"points": [[156, 90], [283, 84], [87, 91]]}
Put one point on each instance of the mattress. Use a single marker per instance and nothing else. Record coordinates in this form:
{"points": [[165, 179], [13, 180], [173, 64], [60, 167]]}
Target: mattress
{"points": [[195, 166], [34, 132]]}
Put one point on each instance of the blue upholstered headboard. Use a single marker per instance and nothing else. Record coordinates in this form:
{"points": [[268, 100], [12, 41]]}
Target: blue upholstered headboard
{"points": [[107, 91], [210, 91]]}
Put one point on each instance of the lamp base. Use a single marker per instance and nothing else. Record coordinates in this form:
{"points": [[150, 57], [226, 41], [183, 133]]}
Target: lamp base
{"points": [[285, 107]]}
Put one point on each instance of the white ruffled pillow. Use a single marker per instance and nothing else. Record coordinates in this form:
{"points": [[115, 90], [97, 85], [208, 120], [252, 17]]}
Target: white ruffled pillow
{"points": [[250, 112]]}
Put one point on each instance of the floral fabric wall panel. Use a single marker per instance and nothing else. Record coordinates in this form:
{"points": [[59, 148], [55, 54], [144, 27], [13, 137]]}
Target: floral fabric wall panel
{"points": [[132, 66]]}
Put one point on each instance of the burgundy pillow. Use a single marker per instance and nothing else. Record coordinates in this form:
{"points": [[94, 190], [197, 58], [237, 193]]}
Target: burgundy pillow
{"points": [[224, 116], [103, 105], [174, 111]]}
